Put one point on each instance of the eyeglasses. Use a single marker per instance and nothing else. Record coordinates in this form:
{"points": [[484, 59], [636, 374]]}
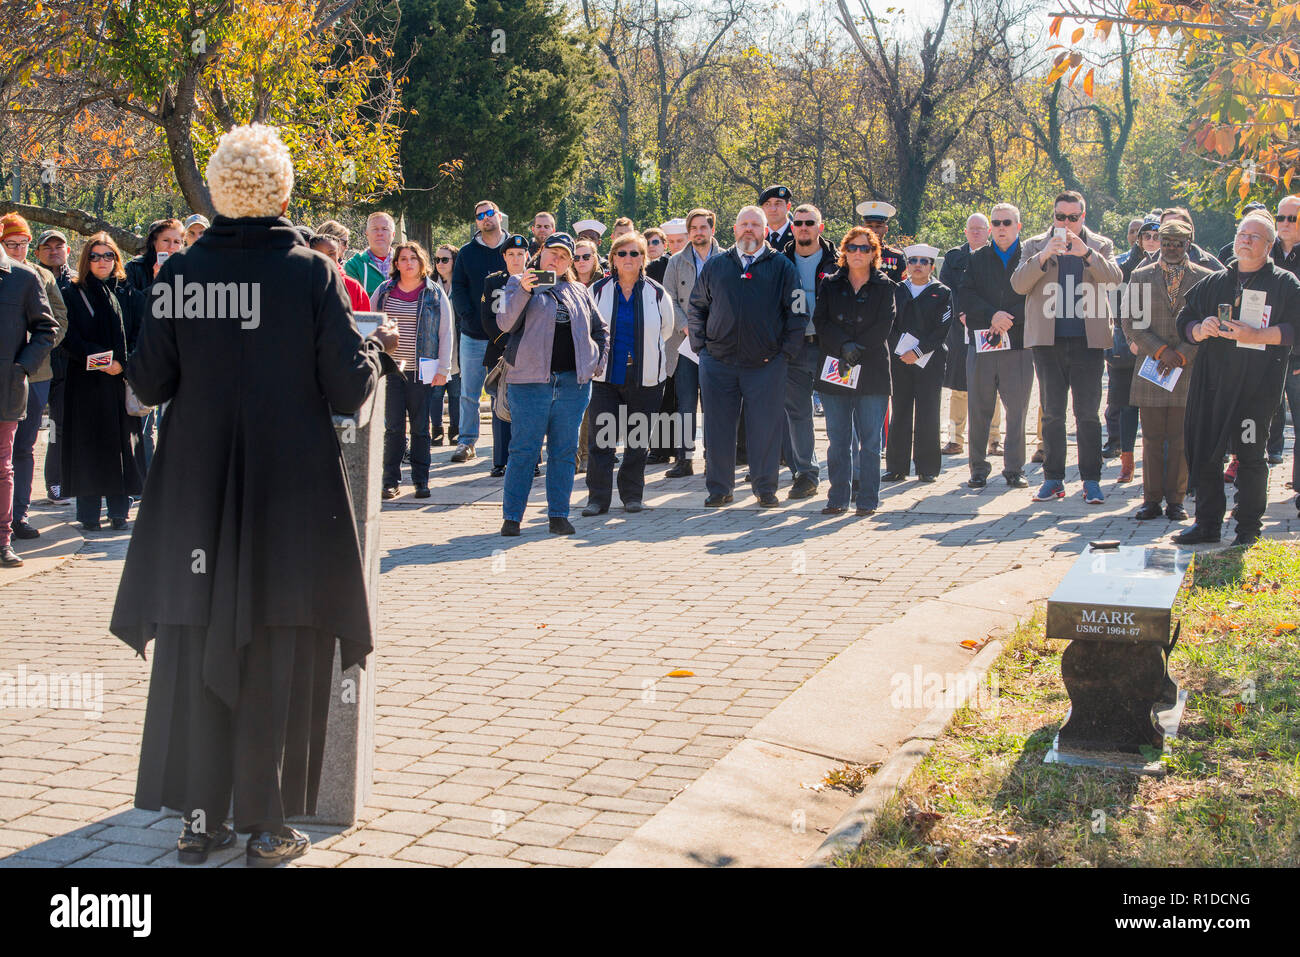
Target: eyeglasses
{"points": [[919, 261], [624, 253], [1004, 222], [13, 244], [487, 213], [1287, 218], [585, 256], [106, 257], [1072, 217], [856, 248], [442, 259], [1149, 234], [805, 222]]}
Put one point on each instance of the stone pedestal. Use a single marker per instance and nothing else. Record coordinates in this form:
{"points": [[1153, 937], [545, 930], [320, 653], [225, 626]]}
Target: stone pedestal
{"points": [[347, 771]]}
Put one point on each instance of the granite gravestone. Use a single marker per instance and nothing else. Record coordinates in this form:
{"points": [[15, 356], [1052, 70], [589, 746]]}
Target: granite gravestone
{"points": [[348, 765], [1115, 607]]}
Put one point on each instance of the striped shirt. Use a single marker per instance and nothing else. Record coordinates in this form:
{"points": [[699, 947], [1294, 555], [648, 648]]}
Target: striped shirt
{"points": [[404, 309]]}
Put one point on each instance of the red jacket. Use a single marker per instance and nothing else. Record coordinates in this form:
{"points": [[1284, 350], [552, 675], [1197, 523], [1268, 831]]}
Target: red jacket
{"points": [[357, 293]]}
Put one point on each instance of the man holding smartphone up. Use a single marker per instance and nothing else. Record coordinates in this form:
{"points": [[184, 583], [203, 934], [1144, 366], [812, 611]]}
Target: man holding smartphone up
{"points": [[1064, 275]]}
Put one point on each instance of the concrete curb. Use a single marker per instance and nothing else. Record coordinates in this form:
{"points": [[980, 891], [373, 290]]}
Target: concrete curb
{"points": [[852, 829]]}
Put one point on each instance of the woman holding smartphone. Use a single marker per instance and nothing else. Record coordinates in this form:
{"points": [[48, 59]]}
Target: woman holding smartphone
{"points": [[558, 344]]}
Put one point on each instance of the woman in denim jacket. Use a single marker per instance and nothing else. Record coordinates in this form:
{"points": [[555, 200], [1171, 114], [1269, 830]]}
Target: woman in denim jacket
{"points": [[415, 301]]}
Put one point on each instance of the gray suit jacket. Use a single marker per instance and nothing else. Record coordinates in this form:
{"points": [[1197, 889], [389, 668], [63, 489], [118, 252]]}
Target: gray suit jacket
{"points": [[679, 281]]}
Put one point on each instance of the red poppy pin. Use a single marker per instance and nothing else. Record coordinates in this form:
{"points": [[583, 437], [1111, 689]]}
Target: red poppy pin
{"points": [[748, 275]]}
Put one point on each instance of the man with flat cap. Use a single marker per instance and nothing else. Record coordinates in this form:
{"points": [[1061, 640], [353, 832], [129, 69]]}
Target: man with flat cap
{"points": [[876, 216], [775, 203]]}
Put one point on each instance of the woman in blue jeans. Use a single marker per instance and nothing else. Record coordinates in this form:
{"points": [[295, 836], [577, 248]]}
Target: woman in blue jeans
{"points": [[853, 317], [558, 343]]}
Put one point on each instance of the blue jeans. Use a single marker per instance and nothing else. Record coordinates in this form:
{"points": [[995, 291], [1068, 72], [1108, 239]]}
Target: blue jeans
{"points": [[552, 410], [472, 375], [88, 507], [854, 420], [797, 437], [25, 447], [452, 391]]}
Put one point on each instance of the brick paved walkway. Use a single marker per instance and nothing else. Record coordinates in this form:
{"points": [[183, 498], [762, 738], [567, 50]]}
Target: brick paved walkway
{"points": [[525, 716]]}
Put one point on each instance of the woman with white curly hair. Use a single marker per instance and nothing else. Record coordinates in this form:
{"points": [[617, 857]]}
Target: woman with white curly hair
{"points": [[245, 565]]}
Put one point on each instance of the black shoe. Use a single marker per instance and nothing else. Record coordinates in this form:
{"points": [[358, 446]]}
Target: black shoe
{"points": [[1275, 458], [715, 501], [406, 457], [803, 487], [1109, 451], [863, 512], [436, 440], [1245, 538], [657, 458], [119, 524], [268, 848], [193, 848], [510, 529], [633, 506], [23, 529], [833, 510], [497, 471], [1148, 511], [422, 492], [977, 481], [1197, 535], [592, 510], [1176, 513], [90, 526], [681, 469], [927, 479], [1016, 480], [389, 492], [768, 500], [537, 471], [892, 476], [561, 526], [1039, 457], [9, 558]]}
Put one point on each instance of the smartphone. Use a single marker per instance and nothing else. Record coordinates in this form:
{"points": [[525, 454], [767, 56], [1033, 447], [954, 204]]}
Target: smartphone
{"points": [[1060, 233], [1225, 314], [544, 277], [161, 257]]}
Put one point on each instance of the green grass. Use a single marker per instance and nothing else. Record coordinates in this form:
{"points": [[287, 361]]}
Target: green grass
{"points": [[1231, 794]]}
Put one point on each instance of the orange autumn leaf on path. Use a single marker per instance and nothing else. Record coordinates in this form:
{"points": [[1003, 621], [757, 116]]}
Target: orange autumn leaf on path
{"points": [[681, 673]]}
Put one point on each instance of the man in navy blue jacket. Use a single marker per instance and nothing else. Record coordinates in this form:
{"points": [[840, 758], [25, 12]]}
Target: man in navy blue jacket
{"points": [[745, 327], [482, 255]]}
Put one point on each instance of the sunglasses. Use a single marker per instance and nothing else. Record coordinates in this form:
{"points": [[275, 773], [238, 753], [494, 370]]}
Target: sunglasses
{"points": [[106, 257], [805, 222], [1004, 222], [624, 253], [485, 214], [919, 261], [442, 259], [1149, 234], [856, 248], [585, 256], [1286, 219], [1072, 217]]}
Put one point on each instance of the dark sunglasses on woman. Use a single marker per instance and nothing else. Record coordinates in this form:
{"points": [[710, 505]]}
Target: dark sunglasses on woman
{"points": [[106, 257]]}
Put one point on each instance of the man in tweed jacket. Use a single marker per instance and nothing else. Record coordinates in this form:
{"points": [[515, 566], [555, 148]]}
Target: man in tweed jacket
{"points": [[1161, 411]]}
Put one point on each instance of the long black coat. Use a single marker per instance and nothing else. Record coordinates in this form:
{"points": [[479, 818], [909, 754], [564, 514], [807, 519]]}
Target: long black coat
{"points": [[248, 521], [102, 452], [955, 263]]}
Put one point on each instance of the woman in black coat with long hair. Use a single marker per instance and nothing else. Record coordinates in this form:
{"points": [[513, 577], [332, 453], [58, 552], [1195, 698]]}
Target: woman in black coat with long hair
{"points": [[245, 566], [103, 459]]}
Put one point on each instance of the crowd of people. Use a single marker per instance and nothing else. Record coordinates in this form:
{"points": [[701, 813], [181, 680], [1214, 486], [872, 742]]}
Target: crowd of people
{"points": [[244, 567], [761, 336]]}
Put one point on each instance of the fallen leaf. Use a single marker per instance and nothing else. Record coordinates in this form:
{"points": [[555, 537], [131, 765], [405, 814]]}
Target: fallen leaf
{"points": [[680, 673], [1239, 708], [1284, 627], [973, 644]]}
